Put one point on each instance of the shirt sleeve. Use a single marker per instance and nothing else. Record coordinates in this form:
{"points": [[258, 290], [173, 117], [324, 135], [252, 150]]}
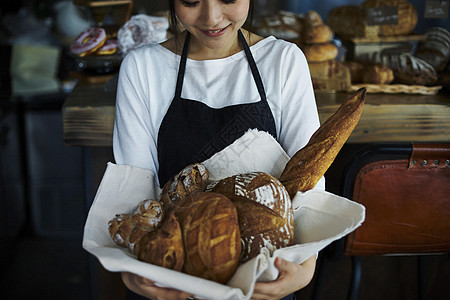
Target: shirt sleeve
{"points": [[134, 139], [299, 116]]}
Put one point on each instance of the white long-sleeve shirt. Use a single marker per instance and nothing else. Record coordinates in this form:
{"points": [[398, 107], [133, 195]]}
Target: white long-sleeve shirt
{"points": [[147, 81]]}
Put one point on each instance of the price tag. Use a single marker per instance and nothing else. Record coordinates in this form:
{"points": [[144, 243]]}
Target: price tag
{"points": [[436, 9], [385, 15]]}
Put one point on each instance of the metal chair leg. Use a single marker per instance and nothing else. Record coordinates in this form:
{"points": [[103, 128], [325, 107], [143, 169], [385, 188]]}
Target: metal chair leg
{"points": [[355, 279]]}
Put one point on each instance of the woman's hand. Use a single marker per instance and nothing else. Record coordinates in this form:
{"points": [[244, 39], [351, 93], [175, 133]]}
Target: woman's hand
{"points": [[147, 288], [292, 277]]}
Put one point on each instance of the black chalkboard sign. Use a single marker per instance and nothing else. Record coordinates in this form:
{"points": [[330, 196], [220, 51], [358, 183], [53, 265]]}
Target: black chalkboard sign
{"points": [[385, 15], [436, 9]]}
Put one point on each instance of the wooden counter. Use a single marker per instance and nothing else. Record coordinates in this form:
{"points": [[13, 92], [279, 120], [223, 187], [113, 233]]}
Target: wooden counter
{"points": [[88, 116]]}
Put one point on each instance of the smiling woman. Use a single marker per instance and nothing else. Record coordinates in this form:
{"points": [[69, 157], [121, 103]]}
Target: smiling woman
{"points": [[184, 100], [213, 25]]}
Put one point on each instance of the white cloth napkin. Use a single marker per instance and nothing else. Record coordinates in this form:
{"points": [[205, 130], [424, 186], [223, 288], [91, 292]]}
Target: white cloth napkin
{"points": [[320, 218]]}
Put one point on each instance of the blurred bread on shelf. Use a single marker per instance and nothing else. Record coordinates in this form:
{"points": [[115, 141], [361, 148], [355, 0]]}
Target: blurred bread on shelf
{"points": [[350, 20], [283, 25], [435, 49], [407, 16], [330, 76], [320, 52]]}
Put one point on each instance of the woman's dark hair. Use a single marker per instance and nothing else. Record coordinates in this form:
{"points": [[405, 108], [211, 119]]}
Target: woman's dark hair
{"points": [[175, 26]]}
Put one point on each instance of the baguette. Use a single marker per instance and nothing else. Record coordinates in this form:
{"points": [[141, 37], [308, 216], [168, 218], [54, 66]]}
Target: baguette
{"points": [[310, 163]]}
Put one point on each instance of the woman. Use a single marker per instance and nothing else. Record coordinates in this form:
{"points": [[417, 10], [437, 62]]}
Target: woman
{"points": [[181, 101]]}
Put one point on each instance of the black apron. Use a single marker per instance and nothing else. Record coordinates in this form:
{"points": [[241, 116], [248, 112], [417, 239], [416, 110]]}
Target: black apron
{"points": [[192, 132]]}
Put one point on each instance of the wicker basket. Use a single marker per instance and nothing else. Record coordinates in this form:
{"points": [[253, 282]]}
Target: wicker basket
{"points": [[396, 89]]}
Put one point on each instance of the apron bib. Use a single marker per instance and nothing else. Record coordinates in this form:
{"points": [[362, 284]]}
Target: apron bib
{"points": [[192, 132]]}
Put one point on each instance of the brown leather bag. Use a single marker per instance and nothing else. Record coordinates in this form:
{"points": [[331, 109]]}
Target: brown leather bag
{"points": [[407, 204]]}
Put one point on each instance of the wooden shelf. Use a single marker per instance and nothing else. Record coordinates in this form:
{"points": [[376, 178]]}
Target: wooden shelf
{"points": [[88, 116], [102, 3]]}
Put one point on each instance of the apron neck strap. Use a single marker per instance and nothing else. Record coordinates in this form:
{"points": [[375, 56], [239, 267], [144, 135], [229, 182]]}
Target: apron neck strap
{"points": [[247, 51], [253, 67], [182, 67]]}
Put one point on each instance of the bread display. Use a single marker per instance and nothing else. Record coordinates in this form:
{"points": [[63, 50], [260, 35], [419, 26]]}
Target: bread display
{"points": [[310, 163], [191, 179], [264, 211]]}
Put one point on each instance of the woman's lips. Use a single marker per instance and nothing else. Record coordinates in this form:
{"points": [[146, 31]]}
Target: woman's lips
{"points": [[215, 32]]}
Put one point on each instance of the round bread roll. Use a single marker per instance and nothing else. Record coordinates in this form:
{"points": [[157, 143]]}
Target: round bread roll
{"points": [[317, 34], [312, 19], [120, 229], [320, 52], [211, 237], [264, 210], [377, 74], [407, 16], [314, 31], [148, 215], [126, 230], [191, 179]]}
